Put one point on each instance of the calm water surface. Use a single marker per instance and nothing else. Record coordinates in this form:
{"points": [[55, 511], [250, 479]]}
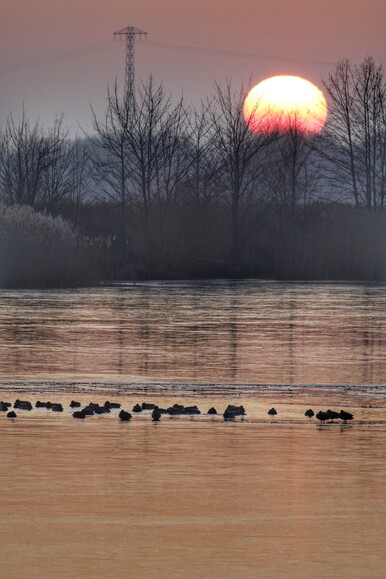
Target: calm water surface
{"points": [[195, 497], [199, 332], [191, 499]]}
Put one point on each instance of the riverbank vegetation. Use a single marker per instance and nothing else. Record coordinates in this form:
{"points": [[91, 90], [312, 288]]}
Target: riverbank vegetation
{"points": [[165, 190], [41, 251]]}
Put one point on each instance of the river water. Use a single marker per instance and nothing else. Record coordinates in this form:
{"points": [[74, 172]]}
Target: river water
{"points": [[252, 333], [198, 496]]}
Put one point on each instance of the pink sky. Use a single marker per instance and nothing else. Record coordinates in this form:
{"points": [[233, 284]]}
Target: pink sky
{"points": [[57, 55]]}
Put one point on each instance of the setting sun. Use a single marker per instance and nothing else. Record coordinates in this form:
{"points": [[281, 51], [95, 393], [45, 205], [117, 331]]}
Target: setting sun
{"points": [[283, 102]]}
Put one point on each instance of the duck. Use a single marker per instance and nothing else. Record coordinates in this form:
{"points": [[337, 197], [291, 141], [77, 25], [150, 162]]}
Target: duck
{"points": [[191, 410], [235, 410], [272, 412], [156, 414], [232, 411], [112, 405], [79, 414], [332, 415], [229, 415], [148, 406], [175, 409], [343, 415], [322, 416], [100, 410], [124, 416], [23, 405]]}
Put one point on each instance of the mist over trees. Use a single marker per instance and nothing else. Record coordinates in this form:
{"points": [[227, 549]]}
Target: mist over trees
{"points": [[165, 190]]}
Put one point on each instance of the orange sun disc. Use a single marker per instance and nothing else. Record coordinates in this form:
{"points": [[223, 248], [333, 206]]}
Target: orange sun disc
{"points": [[282, 103]]}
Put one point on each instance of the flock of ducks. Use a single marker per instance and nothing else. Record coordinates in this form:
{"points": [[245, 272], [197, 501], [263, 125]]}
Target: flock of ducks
{"points": [[329, 415], [230, 412]]}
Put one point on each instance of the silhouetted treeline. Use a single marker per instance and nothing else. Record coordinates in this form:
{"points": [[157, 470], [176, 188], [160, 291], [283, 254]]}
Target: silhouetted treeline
{"points": [[164, 190]]}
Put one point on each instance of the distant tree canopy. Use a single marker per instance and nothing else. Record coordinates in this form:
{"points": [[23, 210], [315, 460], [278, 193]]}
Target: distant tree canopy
{"points": [[163, 189]]}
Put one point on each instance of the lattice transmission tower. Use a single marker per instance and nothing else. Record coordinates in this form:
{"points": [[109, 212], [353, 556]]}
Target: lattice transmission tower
{"points": [[131, 34]]}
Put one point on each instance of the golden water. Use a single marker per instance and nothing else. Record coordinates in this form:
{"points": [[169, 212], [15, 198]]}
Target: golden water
{"points": [[194, 497], [210, 332]]}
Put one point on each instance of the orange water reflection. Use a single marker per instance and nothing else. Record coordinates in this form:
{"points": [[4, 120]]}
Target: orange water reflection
{"points": [[209, 332], [191, 499]]}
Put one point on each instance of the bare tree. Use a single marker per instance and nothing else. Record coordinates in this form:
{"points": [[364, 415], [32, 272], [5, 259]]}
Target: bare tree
{"points": [[370, 92], [109, 152], [292, 179], [237, 147], [147, 133], [203, 165], [57, 176], [29, 162], [79, 175], [355, 136], [172, 173], [200, 185]]}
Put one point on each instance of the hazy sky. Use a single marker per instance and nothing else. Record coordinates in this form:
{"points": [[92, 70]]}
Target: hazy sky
{"points": [[57, 55]]}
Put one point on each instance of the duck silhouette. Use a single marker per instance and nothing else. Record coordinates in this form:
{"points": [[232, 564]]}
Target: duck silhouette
{"points": [[191, 410], [79, 414], [124, 416], [343, 415], [156, 414], [175, 409], [111, 405], [232, 411], [148, 406], [322, 416], [332, 415], [22, 404]]}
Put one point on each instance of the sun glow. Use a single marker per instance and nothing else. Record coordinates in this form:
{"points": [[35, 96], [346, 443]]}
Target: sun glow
{"points": [[282, 103]]}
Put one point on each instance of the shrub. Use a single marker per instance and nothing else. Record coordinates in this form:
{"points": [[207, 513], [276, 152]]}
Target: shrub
{"points": [[40, 251]]}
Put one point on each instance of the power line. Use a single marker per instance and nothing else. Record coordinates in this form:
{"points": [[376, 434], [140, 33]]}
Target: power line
{"points": [[232, 51], [53, 57], [100, 47]]}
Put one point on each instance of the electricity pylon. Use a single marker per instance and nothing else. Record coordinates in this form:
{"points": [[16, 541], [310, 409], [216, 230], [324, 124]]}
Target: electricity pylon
{"points": [[131, 33]]}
